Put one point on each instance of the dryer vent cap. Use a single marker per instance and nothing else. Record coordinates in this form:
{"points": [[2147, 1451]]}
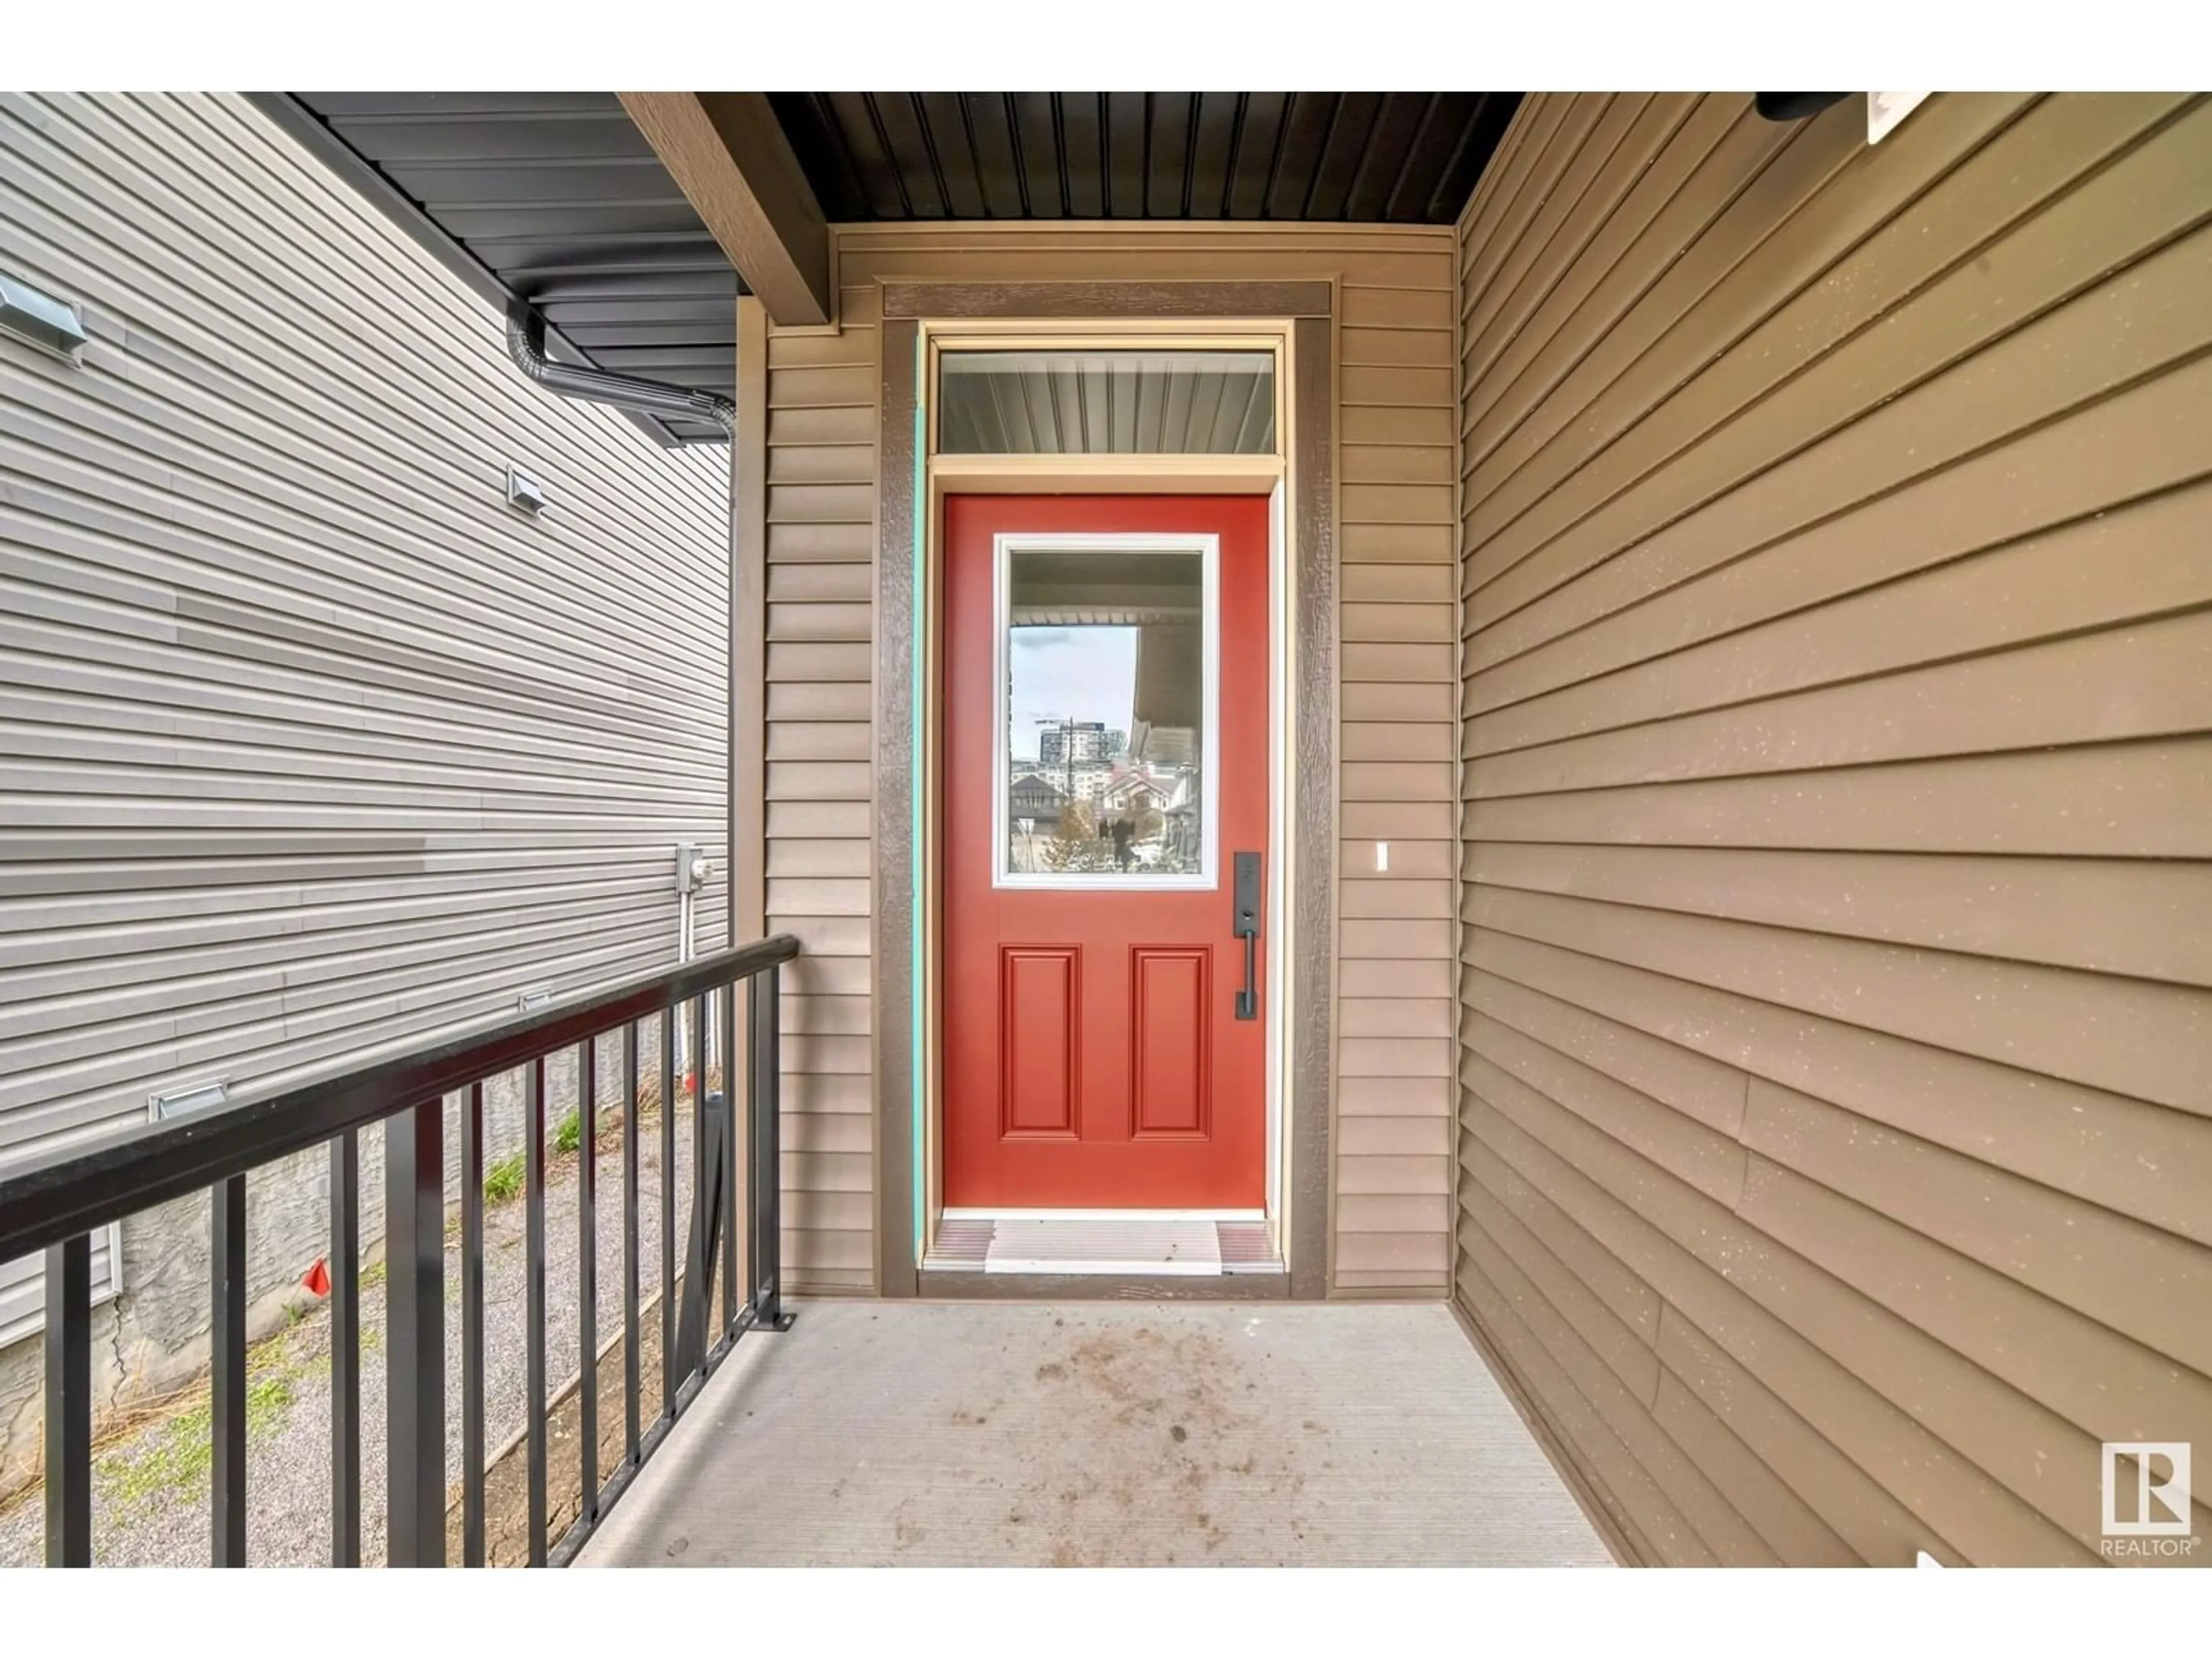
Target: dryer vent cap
{"points": [[524, 493]]}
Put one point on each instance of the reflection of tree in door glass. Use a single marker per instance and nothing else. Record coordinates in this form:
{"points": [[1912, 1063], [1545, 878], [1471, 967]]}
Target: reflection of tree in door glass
{"points": [[1105, 701]]}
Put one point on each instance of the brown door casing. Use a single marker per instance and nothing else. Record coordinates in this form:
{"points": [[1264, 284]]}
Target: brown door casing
{"points": [[1311, 784]]}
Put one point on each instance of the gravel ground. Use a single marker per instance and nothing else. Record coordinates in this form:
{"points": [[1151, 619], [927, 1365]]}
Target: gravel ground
{"points": [[150, 1487]]}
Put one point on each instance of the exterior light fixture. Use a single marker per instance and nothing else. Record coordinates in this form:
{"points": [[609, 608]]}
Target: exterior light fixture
{"points": [[524, 493], [33, 314], [1794, 105], [1884, 110], [188, 1102]]}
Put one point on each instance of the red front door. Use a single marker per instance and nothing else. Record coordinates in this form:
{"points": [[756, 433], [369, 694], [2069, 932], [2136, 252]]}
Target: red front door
{"points": [[1106, 760]]}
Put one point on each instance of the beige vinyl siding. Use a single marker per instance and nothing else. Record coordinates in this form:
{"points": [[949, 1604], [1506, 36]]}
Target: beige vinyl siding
{"points": [[308, 743], [1396, 494], [1397, 663], [821, 575], [1835, 1152]]}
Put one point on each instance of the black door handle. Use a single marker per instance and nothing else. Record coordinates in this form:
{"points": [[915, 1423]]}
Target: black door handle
{"points": [[1246, 915]]}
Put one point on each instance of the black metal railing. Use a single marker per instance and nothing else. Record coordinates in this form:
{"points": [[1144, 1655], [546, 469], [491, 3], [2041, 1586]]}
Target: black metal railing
{"points": [[54, 1206]]}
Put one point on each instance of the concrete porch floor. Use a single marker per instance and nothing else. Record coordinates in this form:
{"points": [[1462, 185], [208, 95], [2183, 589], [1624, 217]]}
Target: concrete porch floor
{"points": [[1102, 1434]]}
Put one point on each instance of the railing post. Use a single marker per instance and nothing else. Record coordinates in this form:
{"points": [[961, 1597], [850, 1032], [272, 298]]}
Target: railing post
{"points": [[723, 1005], [668, 1097], [764, 1106], [706, 1246], [415, 1335], [587, 1271], [705, 1206], [472, 1331], [632, 1383], [345, 1350], [226, 1388], [533, 1267], [69, 1403]]}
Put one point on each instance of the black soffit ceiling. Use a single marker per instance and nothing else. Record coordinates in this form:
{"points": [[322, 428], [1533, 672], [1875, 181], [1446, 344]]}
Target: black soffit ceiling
{"points": [[1395, 157], [557, 199]]}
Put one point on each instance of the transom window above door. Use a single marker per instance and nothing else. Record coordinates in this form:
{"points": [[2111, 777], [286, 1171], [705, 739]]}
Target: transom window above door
{"points": [[1106, 402], [1107, 675]]}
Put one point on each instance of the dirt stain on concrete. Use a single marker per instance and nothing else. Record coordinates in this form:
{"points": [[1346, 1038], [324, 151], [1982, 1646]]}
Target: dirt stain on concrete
{"points": [[1189, 1387], [906, 1530]]}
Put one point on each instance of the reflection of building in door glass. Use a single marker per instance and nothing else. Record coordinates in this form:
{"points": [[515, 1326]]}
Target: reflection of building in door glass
{"points": [[1104, 712], [1122, 817], [1084, 740], [1128, 821]]}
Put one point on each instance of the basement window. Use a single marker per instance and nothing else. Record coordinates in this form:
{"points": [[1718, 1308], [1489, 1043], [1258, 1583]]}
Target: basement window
{"points": [[1106, 402]]}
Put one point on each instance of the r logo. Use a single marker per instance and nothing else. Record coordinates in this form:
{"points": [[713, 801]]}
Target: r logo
{"points": [[2158, 1487]]}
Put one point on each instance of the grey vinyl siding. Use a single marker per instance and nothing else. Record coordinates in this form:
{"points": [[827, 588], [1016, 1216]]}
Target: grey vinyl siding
{"points": [[22, 1289], [1835, 1151], [308, 743]]}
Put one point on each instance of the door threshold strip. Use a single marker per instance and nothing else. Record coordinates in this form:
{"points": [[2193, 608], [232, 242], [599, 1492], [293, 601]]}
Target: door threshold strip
{"points": [[1005, 1214], [1166, 1247]]}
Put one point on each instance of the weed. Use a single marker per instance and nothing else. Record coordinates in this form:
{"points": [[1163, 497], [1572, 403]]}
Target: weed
{"points": [[504, 1179], [177, 1458], [569, 1133], [267, 1400], [372, 1275], [180, 1455]]}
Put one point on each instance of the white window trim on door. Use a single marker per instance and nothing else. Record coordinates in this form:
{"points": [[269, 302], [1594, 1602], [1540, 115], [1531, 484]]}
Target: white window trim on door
{"points": [[1207, 878]]}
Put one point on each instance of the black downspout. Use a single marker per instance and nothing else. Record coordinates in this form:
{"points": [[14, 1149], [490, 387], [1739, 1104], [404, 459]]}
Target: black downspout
{"points": [[526, 343]]}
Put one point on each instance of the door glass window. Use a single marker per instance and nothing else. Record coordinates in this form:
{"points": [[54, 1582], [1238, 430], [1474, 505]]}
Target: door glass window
{"points": [[1106, 402], [1108, 670]]}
